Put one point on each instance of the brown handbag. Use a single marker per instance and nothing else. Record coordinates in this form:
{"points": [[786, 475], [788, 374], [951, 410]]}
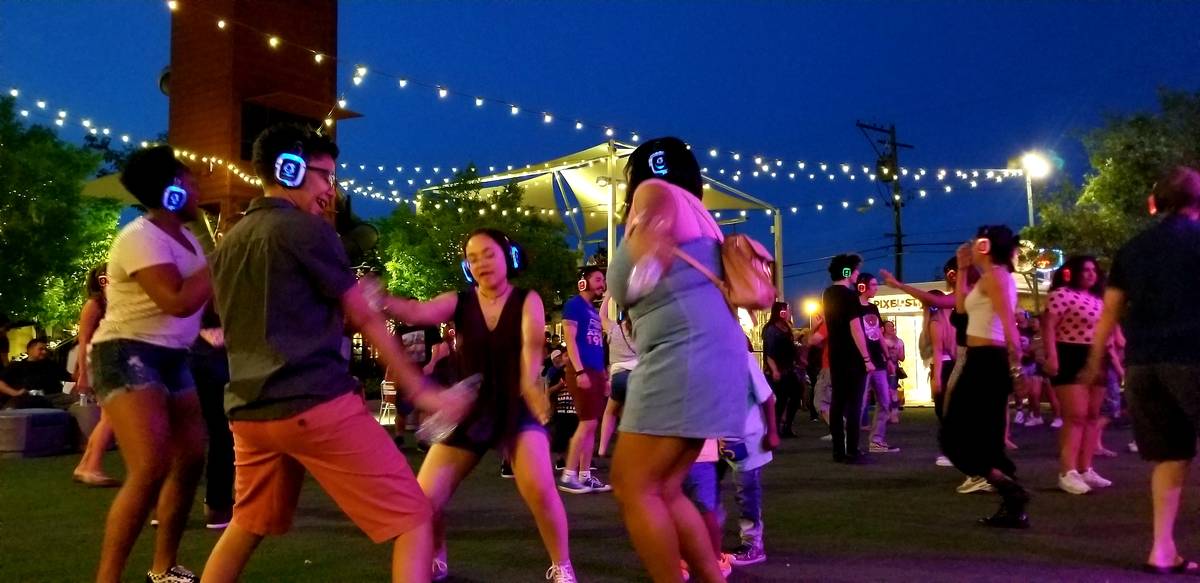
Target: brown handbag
{"points": [[747, 266]]}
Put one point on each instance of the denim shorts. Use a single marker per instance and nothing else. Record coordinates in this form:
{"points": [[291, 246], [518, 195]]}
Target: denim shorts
{"points": [[129, 365]]}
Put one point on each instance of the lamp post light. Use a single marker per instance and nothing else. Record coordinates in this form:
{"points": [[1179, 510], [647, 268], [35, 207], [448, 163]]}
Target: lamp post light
{"points": [[811, 307], [1034, 165]]}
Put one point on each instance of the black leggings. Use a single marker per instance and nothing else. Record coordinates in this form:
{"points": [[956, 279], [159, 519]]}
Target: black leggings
{"points": [[845, 407], [972, 434], [211, 372], [788, 394]]}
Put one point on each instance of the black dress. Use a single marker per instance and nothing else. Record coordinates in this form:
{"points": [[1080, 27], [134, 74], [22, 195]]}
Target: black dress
{"points": [[499, 412]]}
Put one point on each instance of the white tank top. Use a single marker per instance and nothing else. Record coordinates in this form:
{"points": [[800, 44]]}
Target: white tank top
{"points": [[982, 321]]}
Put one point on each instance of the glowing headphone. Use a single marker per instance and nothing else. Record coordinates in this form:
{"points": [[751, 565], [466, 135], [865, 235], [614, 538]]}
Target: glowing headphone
{"points": [[847, 272], [1066, 274], [658, 163], [581, 285], [862, 288], [174, 196], [514, 256], [983, 245], [290, 168]]}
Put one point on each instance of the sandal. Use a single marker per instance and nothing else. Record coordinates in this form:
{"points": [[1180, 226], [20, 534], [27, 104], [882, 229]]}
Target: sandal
{"points": [[1183, 567], [95, 480]]}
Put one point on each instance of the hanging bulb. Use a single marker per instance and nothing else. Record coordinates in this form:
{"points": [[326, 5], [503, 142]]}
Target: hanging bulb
{"points": [[221, 24], [318, 57], [273, 42], [442, 92], [403, 83]]}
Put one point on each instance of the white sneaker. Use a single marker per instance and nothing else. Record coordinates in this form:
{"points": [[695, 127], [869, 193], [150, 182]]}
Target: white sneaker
{"points": [[1072, 483], [1032, 421], [974, 484], [882, 447], [560, 574], [943, 461], [1094, 480], [1019, 418], [827, 437], [1056, 423]]}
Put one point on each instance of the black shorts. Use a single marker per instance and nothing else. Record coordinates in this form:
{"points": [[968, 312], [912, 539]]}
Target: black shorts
{"points": [[1164, 402], [620, 386], [1071, 360]]}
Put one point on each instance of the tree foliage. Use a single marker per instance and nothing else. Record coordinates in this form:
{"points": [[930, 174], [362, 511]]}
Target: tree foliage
{"points": [[422, 249], [1127, 154], [49, 235]]}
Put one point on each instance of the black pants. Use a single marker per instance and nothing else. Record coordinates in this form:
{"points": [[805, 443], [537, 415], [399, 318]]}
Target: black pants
{"points": [[972, 433], [211, 372], [939, 399], [845, 407], [788, 395]]}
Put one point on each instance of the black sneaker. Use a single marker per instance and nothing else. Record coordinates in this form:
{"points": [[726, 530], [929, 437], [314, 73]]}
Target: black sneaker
{"points": [[506, 470], [176, 574], [748, 554]]}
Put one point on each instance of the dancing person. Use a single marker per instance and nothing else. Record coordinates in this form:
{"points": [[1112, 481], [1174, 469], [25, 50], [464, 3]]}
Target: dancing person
{"points": [[893, 349], [90, 469], [1072, 312], [158, 283], [876, 382], [1162, 353], [779, 358], [691, 375], [587, 380], [975, 412], [210, 367], [285, 293], [499, 334], [622, 358], [850, 360]]}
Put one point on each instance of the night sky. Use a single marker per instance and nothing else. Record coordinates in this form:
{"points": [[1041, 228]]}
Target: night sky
{"points": [[970, 84]]}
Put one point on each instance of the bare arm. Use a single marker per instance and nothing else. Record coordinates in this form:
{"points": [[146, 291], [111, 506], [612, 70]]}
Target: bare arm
{"points": [[1050, 340], [771, 438], [945, 302], [89, 320], [440, 351], [651, 227], [439, 310], [415, 388], [533, 327], [961, 287], [1114, 309], [174, 294], [571, 339], [8, 390]]}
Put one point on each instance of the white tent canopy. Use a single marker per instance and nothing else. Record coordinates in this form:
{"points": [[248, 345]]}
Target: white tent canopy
{"points": [[584, 186]]}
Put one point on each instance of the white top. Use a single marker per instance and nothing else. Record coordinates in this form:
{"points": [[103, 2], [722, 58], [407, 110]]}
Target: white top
{"points": [[982, 321], [131, 314], [622, 355]]}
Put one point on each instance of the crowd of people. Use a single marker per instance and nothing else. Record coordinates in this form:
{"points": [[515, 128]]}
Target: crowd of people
{"points": [[247, 345]]}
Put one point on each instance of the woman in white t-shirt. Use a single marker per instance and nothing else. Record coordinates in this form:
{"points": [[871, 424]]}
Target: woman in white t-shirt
{"points": [[158, 283]]}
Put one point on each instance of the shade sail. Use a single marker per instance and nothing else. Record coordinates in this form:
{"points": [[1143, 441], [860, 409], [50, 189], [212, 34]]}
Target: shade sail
{"points": [[578, 186]]}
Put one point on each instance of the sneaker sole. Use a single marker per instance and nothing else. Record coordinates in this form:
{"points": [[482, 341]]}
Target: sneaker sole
{"points": [[973, 489], [738, 563], [574, 490]]}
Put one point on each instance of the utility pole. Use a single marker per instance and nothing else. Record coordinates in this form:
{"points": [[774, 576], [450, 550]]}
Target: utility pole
{"points": [[888, 171]]}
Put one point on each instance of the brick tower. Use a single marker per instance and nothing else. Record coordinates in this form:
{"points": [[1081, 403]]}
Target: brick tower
{"points": [[228, 83]]}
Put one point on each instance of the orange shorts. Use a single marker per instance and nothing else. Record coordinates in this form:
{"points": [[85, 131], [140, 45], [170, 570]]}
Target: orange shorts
{"points": [[349, 454]]}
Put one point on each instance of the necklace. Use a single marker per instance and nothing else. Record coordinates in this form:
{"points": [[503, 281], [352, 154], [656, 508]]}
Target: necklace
{"points": [[492, 300]]}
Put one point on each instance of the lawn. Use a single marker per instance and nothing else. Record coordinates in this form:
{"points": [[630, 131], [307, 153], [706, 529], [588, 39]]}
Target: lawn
{"points": [[897, 519]]}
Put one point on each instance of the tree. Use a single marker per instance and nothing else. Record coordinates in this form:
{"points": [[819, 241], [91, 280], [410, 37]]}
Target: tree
{"points": [[49, 235], [422, 249], [1127, 155]]}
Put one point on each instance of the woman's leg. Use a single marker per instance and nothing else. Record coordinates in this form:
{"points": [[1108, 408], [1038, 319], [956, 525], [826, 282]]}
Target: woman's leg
{"points": [[1074, 403], [1091, 427], [179, 488], [535, 482], [141, 421], [608, 426], [92, 461], [442, 471], [649, 472]]}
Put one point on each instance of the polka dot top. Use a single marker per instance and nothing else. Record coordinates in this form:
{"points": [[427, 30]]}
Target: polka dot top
{"points": [[1078, 313]]}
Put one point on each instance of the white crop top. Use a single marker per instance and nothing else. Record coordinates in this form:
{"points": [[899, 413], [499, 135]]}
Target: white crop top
{"points": [[982, 321]]}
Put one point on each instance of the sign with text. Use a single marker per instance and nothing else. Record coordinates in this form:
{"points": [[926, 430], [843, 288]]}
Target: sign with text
{"points": [[898, 304]]}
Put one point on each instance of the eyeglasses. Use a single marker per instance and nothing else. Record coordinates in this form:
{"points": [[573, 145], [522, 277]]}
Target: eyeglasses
{"points": [[325, 171]]}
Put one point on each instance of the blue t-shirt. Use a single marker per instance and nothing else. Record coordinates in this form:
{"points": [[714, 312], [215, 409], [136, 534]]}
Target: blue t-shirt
{"points": [[589, 337]]}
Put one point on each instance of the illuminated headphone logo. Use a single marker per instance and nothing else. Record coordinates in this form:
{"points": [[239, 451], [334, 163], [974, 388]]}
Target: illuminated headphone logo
{"points": [[658, 163], [174, 196], [290, 170], [983, 245], [847, 272]]}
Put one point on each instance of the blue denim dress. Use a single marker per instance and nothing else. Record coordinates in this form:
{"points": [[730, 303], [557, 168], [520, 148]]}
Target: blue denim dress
{"points": [[691, 377]]}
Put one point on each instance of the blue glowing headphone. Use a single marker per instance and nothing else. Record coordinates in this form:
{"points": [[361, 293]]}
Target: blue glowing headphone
{"points": [[658, 163], [174, 196], [290, 168], [514, 255]]}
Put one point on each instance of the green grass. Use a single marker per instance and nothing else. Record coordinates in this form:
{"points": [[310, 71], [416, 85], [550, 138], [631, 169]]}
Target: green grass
{"points": [[897, 519]]}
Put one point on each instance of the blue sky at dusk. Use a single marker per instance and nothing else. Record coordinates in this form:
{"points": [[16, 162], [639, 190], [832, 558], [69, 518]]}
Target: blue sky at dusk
{"points": [[970, 84]]}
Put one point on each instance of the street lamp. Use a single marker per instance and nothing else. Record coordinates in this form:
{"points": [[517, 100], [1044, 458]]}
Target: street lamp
{"points": [[811, 307], [1034, 165]]}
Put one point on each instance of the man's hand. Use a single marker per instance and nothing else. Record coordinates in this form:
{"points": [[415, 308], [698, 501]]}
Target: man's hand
{"points": [[770, 441], [583, 381], [870, 365]]}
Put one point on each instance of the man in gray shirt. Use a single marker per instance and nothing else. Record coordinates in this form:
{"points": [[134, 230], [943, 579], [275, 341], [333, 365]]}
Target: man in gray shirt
{"points": [[285, 292]]}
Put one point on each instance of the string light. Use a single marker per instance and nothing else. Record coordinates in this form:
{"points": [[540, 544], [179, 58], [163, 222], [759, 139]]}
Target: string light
{"points": [[442, 92], [221, 25], [273, 41], [318, 57]]}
